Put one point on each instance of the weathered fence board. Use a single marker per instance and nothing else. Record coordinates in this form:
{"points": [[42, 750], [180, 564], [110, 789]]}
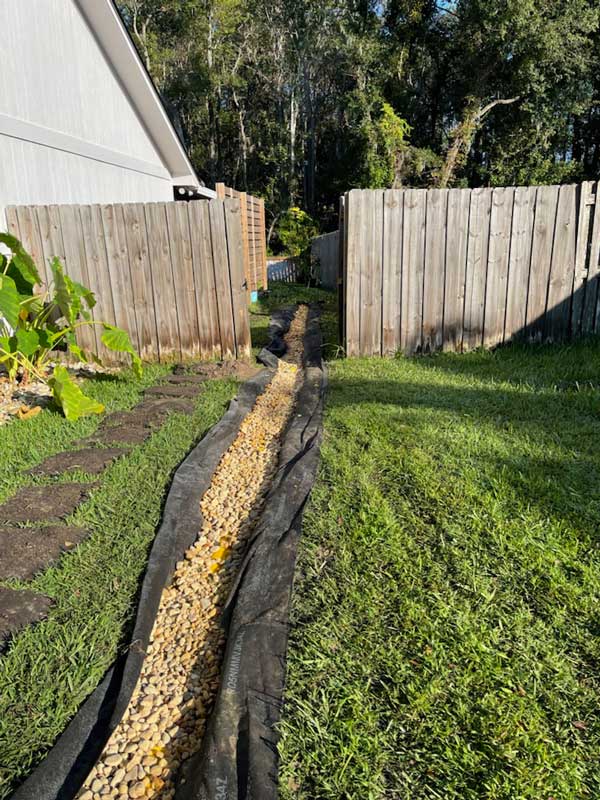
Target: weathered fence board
{"points": [[560, 285], [76, 266], [459, 203], [463, 268], [435, 266], [324, 254], [477, 256], [171, 274], [118, 269], [393, 220], [583, 233], [204, 281], [413, 265], [141, 278], [497, 266], [371, 277], [520, 260], [354, 215], [541, 256], [592, 292], [183, 279]]}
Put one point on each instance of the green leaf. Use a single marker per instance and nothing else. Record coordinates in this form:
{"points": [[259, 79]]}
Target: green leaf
{"points": [[78, 352], [7, 344], [24, 287], [70, 398], [10, 241], [117, 339], [9, 301], [85, 293], [70, 296], [68, 305], [21, 259], [28, 341]]}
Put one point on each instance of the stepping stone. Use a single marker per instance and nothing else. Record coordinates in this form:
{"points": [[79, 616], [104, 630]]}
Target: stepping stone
{"points": [[184, 390], [132, 417], [154, 406], [26, 551], [41, 503], [212, 368], [18, 609], [90, 460], [185, 378], [125, 435]]}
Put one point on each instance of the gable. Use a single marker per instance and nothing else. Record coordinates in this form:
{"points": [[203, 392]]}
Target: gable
{"points": [[56, 77]]}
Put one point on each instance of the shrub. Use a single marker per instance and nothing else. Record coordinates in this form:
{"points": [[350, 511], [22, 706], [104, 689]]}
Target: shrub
{"points": [[297, 229], [32, 326]]}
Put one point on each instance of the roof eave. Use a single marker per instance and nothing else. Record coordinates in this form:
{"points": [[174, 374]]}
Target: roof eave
{"points": [[111, 34]]}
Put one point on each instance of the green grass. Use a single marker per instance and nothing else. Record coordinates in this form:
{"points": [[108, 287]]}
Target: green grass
{"points": [[446, 635], [281, 294], [52, 667]]}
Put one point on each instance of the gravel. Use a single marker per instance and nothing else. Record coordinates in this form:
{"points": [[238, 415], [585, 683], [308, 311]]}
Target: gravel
{"points": [[166, 718]]}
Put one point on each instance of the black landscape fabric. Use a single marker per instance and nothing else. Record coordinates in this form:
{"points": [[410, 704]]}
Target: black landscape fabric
{"points": [[239, 760], [61, 774]]}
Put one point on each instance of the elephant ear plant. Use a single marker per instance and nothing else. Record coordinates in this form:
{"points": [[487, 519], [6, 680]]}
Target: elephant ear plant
{"points": [[32, 326]]}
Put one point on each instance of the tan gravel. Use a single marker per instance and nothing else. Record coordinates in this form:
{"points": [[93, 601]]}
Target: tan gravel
{"points": [[165, 720]]}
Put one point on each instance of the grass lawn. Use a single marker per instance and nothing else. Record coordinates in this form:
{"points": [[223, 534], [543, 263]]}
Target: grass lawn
{"points": [[51, 668], [446, 628]]}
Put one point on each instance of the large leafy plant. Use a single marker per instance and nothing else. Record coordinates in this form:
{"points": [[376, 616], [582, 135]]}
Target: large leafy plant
{"points": [[33, 326]]}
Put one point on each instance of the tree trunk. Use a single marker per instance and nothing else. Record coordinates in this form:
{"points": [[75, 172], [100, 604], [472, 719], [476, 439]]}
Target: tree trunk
{"points": [[293, 129], [462, 138]]}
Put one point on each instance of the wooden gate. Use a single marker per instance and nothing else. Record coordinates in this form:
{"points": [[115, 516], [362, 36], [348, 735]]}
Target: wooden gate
{"points": [[463, 268]]}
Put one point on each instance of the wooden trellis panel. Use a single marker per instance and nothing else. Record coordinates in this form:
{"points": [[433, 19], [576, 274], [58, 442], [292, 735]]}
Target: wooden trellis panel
{"points": [[253, 234]]}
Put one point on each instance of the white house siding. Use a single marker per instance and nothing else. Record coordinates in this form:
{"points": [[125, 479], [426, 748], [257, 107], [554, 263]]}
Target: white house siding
{"points": [[68, 132]]}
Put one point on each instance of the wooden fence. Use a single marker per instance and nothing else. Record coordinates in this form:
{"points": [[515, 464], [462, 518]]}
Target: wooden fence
{"points": [[171, 274], [324, 253], [462, 268], [282, 270], [254, 236]]}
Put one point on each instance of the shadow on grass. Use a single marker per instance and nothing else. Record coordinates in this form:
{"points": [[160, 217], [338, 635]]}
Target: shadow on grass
{"points": [[538, 437]]}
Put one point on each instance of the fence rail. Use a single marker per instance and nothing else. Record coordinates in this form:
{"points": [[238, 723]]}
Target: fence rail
{"points": [[462, 268], [171, 274], [324, 253], [254, 236]]}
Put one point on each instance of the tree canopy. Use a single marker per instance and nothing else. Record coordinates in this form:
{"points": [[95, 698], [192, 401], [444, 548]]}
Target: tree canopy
{"points": [[298, 101]]}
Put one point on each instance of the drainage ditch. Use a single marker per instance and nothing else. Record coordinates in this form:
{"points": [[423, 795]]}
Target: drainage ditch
{"points": [[191, 710], [165, 721]]}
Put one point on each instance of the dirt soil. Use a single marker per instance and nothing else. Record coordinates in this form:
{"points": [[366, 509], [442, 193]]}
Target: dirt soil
{"points": [[242, 370]]}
